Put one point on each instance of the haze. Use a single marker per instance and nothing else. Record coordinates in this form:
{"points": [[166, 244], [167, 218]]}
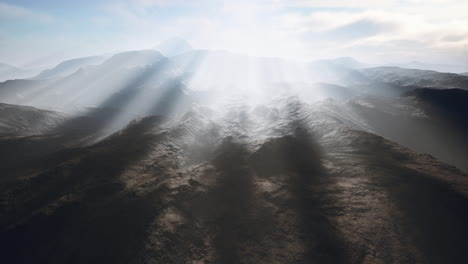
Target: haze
{"points": [[44, 33], [228, 132]]}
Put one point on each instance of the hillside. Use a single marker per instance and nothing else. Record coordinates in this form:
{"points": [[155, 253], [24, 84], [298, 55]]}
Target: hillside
{"points": [[288, 184]]}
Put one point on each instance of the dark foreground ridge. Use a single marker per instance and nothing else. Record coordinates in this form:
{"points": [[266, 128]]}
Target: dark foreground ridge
{"points": [[287, 184]]}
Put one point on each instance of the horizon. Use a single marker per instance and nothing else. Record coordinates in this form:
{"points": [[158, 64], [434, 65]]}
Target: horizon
{"points": [[250, 131]]}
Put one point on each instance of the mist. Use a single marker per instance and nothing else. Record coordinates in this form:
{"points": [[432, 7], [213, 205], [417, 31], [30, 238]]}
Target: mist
{"points": [[267, 131]]}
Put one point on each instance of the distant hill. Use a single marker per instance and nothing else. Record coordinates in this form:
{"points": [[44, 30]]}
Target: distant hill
{"points": [[69, 66], [453, 68], [416, 78], [129, 59], [347, 62], [25, 120]]}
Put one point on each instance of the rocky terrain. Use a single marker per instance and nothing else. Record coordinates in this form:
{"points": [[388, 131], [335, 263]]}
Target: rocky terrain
{"points": [[283, 184], [144, 168]]}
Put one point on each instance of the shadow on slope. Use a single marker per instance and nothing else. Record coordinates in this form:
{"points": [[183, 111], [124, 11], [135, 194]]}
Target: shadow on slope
{"points": [[166, 99], [80, 211], [425, 209], [425, 120], [298, 157], [227, 211]]}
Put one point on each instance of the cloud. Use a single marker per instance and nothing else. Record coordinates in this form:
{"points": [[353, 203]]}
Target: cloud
{"points": [[368, 29], [391, 31], [362, 28], [15, 12], [304, 29], [455, 37]]}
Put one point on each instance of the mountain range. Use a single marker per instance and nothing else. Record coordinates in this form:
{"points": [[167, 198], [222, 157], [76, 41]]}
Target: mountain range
{"points": [[201, 156]]}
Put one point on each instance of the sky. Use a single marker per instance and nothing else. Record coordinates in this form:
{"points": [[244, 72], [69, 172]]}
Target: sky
{"points": [[36, 33]]}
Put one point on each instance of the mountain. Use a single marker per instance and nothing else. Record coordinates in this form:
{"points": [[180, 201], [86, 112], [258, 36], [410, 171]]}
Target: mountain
{"points": [[221, 73], [90, 86], [218, 157], [287, 183], [348, 62], [11, 91], [129, 59], [226, 72], [434, 67], [9, 72], [173, 46], [416, 78], [24, 120], [426, 120], [69, 66]]}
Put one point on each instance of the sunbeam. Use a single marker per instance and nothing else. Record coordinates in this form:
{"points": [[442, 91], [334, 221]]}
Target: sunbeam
{"points": [[219, 132]]}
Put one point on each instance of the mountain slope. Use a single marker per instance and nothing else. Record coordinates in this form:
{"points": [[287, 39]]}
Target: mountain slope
{"points": [[22, 120], [426, 120], [68, 67], [453, 68], [91, 86], [288, 184], [416, 78]]}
